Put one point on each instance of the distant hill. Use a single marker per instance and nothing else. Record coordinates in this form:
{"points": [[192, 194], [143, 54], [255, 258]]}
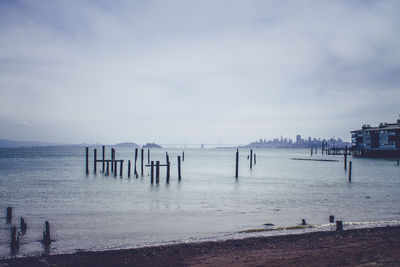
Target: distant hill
{"points": [[12, 143], [127, 144]]}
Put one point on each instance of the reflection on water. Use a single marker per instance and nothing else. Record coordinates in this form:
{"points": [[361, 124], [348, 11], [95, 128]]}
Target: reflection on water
{"points": [[99, 212]]}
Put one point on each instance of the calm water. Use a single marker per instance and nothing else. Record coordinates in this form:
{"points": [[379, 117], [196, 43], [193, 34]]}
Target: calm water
{"points": [[98, 212]]}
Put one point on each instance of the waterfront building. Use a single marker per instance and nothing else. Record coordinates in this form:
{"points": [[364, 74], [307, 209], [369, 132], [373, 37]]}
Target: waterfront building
{"points": [[382, 141]]}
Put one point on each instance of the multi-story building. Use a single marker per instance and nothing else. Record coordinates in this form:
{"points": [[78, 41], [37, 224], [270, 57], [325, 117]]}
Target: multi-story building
{"points": [[381, 141]]}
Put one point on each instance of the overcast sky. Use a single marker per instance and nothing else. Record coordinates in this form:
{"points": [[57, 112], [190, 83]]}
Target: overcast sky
{"points": [[196, 71]]}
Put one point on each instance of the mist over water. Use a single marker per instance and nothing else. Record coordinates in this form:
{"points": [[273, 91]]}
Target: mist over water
{"points": [[98, 212]]}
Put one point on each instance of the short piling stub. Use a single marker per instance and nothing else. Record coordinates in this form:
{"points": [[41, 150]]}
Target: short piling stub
{"points": [[331, 219], [141, 162], [46, 234], [237, 164], [350, 169], [23, 225], [9, 214], [121, 168], [87, 160], [157, 172], [152, 172], [179, 168], [14, 242], [339, 225], [251, 158], [129, 168]]}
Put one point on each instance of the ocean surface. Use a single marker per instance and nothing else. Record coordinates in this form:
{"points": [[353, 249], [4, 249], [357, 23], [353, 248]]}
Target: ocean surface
{"points": [[97, 212]]}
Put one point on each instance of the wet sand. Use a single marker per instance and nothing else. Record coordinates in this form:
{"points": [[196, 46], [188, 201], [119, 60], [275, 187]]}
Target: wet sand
{"points": [[363, 247]]}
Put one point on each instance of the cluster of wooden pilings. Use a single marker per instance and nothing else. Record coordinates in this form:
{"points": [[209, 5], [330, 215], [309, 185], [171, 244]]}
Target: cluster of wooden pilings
{"points": [[110, 166], [250, 157], [17, 233]]}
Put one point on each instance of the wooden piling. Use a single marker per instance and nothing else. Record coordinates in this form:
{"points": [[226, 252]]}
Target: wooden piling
{"points": [[311, 152], [121, 167], [339, 225], [112, 159], [23, 225], [13, 243], [108, 168], [129, 168], [179, 168], [255, 159], [345, 161], [46, 234], [148, 156], [104, 157], [134, 168], [168, 171], [152, 172], [9, 214], [115, 168], [141, 159], [95, 161], [331, 219], [157, 172], [167, 163], [350, 163], [183, 156], [87, 160], [251, 158], [237, 164]]}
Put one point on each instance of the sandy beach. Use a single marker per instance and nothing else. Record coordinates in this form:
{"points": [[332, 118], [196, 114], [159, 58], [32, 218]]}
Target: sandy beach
{"points": [[361, 247]]}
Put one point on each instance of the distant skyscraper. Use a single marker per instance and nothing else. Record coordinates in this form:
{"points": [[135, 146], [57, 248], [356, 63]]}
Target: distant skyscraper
{"points": [[298, 139]]}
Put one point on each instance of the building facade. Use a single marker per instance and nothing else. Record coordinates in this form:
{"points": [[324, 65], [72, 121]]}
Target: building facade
{"points": [[382, 141]]}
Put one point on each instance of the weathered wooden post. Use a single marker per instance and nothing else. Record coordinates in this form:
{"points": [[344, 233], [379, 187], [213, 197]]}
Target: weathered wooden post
{"points": [[251, 158], [148, 156], [152, 172], [104, 157], [350, 163], [255, 159], [129, 168], [134, 168], [23, 225], [13, 243], [46, 234], [87, 160], [168, 171], [311, 151], [345, 161], [121, 167], [112, 159], [141, 159], [339, 225], [95, 161], [179, 168], [167, 163], [9, 214], [331, 219], [157, 172], [183, 156], [115, 168], [237, 164], [108, 168]]}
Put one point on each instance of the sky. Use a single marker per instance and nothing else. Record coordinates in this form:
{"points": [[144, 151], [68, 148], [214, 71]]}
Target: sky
{"points": [[208, 72]]}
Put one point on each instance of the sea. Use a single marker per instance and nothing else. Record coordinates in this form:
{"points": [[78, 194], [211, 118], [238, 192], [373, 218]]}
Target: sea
{"points": [[100, 212]]}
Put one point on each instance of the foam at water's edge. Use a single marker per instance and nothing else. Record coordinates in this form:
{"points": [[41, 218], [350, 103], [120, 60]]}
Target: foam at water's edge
{"points": [[279, 231]]}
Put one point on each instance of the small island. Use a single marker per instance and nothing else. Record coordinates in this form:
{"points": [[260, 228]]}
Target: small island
{"points": [[151, 145]]}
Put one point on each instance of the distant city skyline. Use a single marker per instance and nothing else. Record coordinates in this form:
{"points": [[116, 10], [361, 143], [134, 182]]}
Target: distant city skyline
{"points": [[196, 71]]}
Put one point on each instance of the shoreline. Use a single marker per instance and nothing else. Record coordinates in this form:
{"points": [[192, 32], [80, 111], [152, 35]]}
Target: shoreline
{"points": [[380, 245]]}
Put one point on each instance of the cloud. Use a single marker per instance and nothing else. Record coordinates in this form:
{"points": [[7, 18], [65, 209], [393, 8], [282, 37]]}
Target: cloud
{"points": [[197, 71]]}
